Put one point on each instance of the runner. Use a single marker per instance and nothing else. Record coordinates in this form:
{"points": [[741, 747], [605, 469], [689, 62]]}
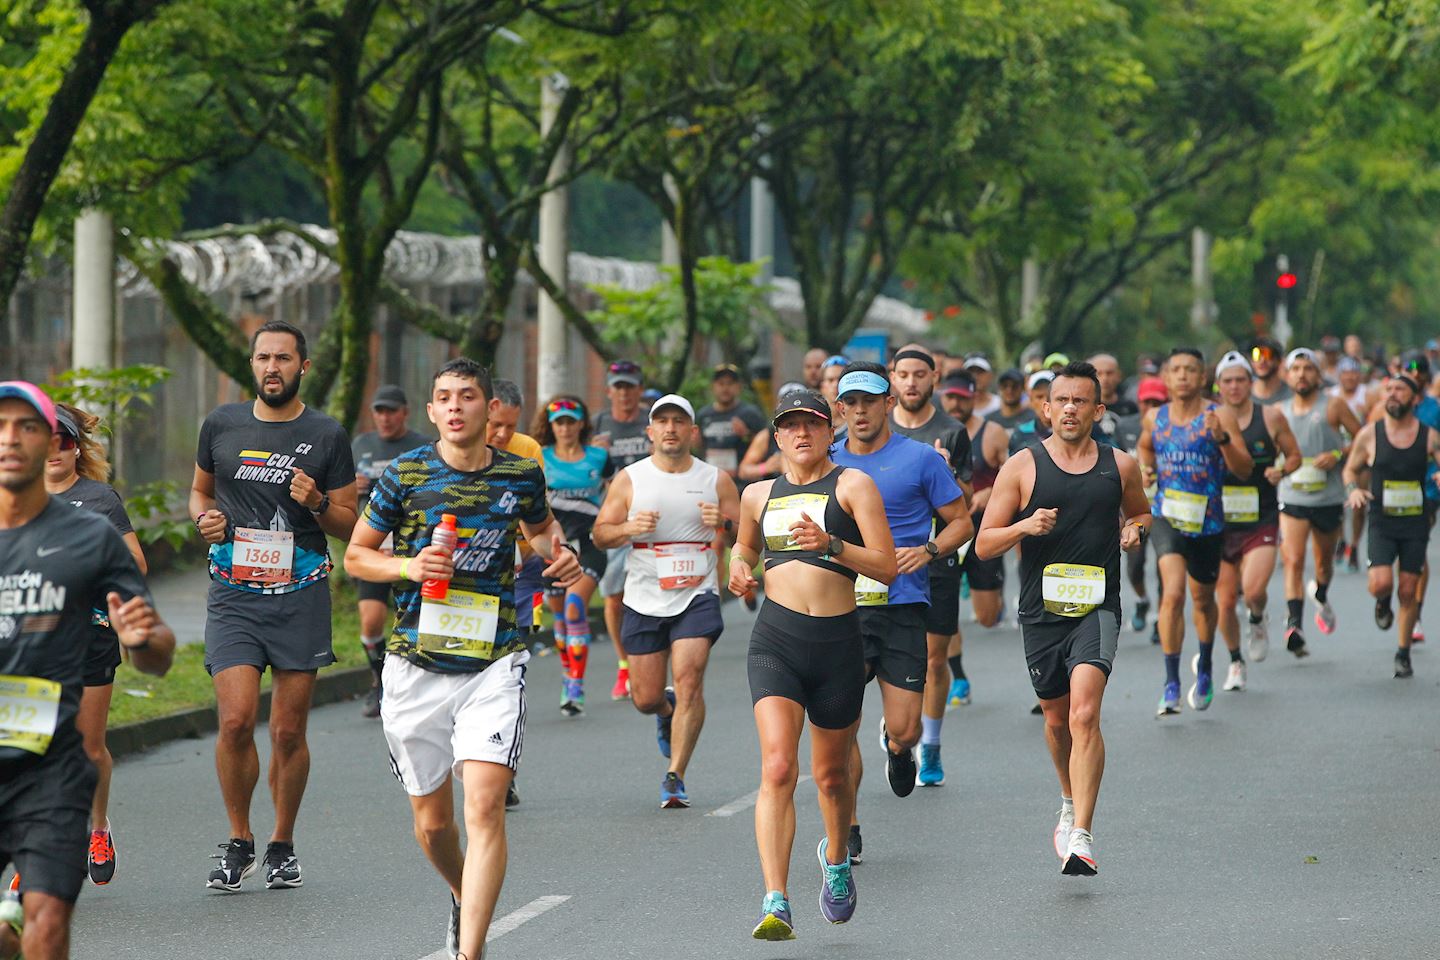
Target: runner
{"points": [[670, 508], [57, 566], [273, 477], [1360, 397], [1064, 499], [1185, 448], [916, 485], [1150, 394], [977, 365], [806, 652], [77, 474], [1029, 432], [1013, 409], [727, 423], [915, 417], [373, 452], [810, 367], [575, 477], [1312, 499], [500, 432], [830, 389], [1269, 386], [1396, 451], [1252, 515], [454, 703], [621, 430]]}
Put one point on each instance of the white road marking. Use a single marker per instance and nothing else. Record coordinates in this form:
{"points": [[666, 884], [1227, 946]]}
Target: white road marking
{"points": [[510, 921], [745, 802]]}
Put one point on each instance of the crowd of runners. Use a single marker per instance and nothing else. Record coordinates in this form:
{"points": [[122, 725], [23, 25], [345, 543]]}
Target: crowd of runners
{"points": [[854, 519]]}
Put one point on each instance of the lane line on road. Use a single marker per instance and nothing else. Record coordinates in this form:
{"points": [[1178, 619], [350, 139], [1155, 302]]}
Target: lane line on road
{"points": [[745, 802], [510, 921]]}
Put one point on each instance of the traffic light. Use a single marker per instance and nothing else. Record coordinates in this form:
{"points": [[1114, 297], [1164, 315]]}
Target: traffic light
{"points": [[1286, 281]]}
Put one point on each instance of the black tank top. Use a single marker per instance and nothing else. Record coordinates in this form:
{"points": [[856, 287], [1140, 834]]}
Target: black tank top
{"points": [[1403, 472], [1085, 541], [1263, 450], [787, 501], [982, 475]]}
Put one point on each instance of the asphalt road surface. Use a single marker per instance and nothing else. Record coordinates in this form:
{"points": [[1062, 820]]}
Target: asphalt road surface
{"points": [[1287, 821]]}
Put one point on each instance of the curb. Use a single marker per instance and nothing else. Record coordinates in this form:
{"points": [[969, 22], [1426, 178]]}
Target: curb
{"points": [[132, 738]]}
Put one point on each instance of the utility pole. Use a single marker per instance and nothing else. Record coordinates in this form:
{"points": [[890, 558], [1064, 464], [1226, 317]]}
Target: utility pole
{"points": [[92, 332], [552, 375], [1202, 306], [1284, 284]]}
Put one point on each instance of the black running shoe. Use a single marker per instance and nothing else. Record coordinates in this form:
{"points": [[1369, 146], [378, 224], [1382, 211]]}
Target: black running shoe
{"points": [[1295, 642], [853, 844], [281, 868], [1402, 664], [512, 796], [900, 767], [452, 932], [371, 707], [1384, 616], [237, 861]]}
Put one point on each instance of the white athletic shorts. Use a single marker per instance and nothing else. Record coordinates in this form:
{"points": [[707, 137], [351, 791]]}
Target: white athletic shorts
{"points": [[434, 722]]}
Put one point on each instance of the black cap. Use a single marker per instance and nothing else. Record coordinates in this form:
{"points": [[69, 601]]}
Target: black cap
{"points": [[725, 370], [65, 423], [1413, 362], [958, 382], [802, 400], [1012, 374], [389, 397]]}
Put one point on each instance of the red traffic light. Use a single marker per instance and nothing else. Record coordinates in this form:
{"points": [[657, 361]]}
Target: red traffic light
{"points": [[1286, 281]]}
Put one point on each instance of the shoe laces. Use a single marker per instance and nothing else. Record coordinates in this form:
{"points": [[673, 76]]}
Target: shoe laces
{"points": [[837, 879], [774, 903], [99, 846], [231, 851]]}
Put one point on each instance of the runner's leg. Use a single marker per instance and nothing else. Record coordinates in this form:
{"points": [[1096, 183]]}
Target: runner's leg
{"points": [[1408, 593], [47, 927], [778, 721], [486, 851], [829, 762], [1087, 753], [1226, 592], [237, 701], [1057, 738], [1293, 534], [91, 721], [290, 692], [648, 673], [902, 716], [689, 657], [373, 614], [438, 834], [1172, 604], [1255, 570]]}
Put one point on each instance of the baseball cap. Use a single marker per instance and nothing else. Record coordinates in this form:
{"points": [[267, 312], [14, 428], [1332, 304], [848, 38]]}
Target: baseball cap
{"points": [[960, 384], [672, 400], [33, 395], [1039, 377], [1054, 358], [388, 397], [623, 371], [650, 394], [1149, 366], [1012, 374], [725, 370], [790, 386], [1232, 359], [1432, 344], [862, 381], [64, 423], [1413, 361], [978, 361], [564, 407], [1152, 388], [801, 401], [1301, 353], [1348, 364], [835, 360]]}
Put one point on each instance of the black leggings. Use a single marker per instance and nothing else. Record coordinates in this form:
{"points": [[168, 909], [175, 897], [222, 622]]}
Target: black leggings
{"points": [[818, 662]]}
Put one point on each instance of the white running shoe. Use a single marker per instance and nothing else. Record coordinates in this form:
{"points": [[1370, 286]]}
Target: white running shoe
{"points": [[1257, 637], [1235, 678], [1324, 613], [1080, 855], [1062, 830]]}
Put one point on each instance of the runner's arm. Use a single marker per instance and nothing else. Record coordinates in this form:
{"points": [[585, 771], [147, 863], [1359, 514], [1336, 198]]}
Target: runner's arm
{"points": [[1284, 441], [746, 552], [1341, 415], [1357, 465], [756, 463], [1134, 505], [728, 497], [132, 543], [875, 558], [613, 527], [998, 531], [958, 527], [212, 524], [339, 518], [1237, 458], [1145, 449]]}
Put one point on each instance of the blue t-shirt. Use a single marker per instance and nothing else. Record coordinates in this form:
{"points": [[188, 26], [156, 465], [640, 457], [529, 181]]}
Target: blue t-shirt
{"points": [[914, 481], [1427, 411]]}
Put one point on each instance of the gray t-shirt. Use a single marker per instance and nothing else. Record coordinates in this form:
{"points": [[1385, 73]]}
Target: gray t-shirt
{"points": [[99, 498], [724, 448], [628, 441], [1011, 421], [373, 454], [952, 436]]}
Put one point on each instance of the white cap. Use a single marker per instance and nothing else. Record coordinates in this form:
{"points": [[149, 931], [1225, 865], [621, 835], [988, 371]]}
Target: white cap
{"points": [[672, 400], [1231, 360], [1301, 353], [1039, 377], [978, 362]]}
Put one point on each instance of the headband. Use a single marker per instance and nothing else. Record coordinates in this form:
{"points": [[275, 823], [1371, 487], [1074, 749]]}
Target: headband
{"points": [[1405, 379], [913, 354]]}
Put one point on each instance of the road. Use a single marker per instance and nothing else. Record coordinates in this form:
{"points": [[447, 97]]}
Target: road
{"points": [[1287, 821]]}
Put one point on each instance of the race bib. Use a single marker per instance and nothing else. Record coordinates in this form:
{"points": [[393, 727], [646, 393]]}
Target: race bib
{"points": [[871, 593], [461, 625], [1072, 589], [1242, 504], [1309, 478], [681, 565], [263, 556], [722, 458], [781, 512], [963, 551], [1402, 498], [29, 710], [1185, 511]]}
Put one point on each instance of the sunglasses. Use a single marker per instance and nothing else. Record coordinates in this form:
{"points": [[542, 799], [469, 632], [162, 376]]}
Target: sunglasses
{"points": [[568, 406], [1263, 353], [1414, 366], [68, 442]]}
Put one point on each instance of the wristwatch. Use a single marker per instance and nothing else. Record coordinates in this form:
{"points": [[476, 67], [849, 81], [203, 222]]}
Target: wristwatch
{"points": [[932, 549], [324, 505], [835, 547], [1223, 437]]}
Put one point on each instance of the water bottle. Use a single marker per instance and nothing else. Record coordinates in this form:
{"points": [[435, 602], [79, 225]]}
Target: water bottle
{"points": [[444, 538]]}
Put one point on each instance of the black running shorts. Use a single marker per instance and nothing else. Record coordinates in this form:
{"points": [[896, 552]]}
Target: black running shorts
{"points": [[1384, 550], [284, 631], [943, 615], [45, 820], [1326, 519], [102, 657], [1202, 554], [895, 649], [1053, 649], [368, 590], [818, 662]]}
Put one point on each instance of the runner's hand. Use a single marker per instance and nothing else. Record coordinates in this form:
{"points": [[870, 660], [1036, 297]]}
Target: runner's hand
{"points": [[1212, 423], [432, 563], [212, 526], [808, 535], [1147, 473], [711, 516], [1130, 537], [564, 566], [131, 620], [739, 428], [941, 449], [910, 559], [1325, 461], [1042, 521], [641, 522], [362, 484], [1359, 498], [303, 490], [742, 578], [1273, 475]]}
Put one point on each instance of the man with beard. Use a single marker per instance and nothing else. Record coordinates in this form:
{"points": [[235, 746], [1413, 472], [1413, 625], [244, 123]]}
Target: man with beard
{"points": [[1396, 451], [1312, 499], [1269, 386], [273, 477], [1013, 409], [621, 430]]}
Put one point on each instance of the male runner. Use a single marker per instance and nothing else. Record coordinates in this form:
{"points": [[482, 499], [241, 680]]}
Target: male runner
{"points": [[1013, 409], [916, 485], [670, 508], [1269, 386], [273, 477], [57, 565], [1312, 499], [1064, 499], [1150, 394], [914, 416], [373, 452], [1252, 514], [454, 701], [1185, 448], [727, 423], [811, 365], [1360, 397], [1029, 432], [1107, 368], [621, 430], [977, 365], [1396, 451], [501, 433]]}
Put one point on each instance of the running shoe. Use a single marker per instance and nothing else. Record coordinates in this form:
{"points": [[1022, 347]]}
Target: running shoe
{"points": [[837, 887], [932, 774], [1037, 710], [1235, 677], [1295, 642], [237, 861], [1324, 613], [959, 693], [672, 793], [1384, 615], [371, 707], [452, 930], [1063, 827], [1402, 664], [899, 767], [102, 856], [1340, 548], [12, 913], [775, 922], [1169, 701], [1080, 855], [282, 869], [572, 700], [751, 603], [662, 725], [1155, 634], [1352, 559], [1417, 633], [1141, 615], [14, 889], [1202, 691], [621, 690], [854, 846], [1257, 637], [512, 796]]}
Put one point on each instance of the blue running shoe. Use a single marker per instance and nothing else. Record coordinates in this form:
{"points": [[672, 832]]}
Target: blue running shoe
{"points": [[1141, 615], [959, 693], [932, 774], [672, 793], [662, 725], [1169, 701], [837, 888], [775, 922]]}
